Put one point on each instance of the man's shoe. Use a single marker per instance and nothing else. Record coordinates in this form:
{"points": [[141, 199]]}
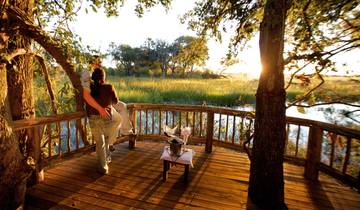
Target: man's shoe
{"points": [[111, 148], [108, 160], [103, 171], [130, 133]]}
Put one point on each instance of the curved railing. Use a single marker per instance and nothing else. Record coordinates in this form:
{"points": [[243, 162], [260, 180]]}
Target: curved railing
{"points": [[54, 138], [317, 146]]}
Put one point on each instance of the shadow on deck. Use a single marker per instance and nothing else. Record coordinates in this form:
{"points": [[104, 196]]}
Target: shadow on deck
{"points": [[218, 181]]}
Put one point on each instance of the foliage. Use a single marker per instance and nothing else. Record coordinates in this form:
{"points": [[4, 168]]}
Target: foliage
{"points": [[316, 31], [124, 56], [208, 74], [64, 93], [159, 53], [213, 18], [191, 51], [183, 54]]}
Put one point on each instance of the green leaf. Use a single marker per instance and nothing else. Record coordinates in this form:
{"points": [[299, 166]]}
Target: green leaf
{"points": [[301, 109], [312, 99], [93, 8]]}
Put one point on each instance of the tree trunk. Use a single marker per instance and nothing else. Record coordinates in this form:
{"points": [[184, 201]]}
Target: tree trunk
{"points": [[163, 71], [266, 187], [14, 170], [20, 79], [173, 70]]}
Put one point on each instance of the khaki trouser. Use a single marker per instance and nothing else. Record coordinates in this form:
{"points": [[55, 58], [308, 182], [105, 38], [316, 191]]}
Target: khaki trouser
{"points": [[104, 132], [122, 116]]}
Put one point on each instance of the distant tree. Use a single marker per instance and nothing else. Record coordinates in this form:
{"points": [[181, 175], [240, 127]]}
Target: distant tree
{"points": [[163, 54], [158, 53], [185, 53], [191, 51], [124, 56], [174, 50]]}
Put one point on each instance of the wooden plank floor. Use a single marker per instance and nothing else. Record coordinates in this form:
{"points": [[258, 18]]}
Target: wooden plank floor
{"points": [[218, 181]]}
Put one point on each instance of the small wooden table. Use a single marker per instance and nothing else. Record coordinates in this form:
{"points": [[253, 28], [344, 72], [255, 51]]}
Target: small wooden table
{"points": [[184, 159]]}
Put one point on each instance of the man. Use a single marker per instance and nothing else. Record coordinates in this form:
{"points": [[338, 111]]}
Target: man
{"points": [[121, 115], [104, 130], [85, 83]]}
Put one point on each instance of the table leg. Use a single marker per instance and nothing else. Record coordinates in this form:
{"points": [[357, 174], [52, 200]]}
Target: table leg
{"points": [[165, 170], [186, 173]]}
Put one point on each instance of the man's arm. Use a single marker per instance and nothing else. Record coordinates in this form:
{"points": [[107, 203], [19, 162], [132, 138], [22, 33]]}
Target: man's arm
{"points": [[91, 101], [85, 83]]}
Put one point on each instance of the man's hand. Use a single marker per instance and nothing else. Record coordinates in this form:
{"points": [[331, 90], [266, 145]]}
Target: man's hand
{"points": [[104, 113], [91, 101]]}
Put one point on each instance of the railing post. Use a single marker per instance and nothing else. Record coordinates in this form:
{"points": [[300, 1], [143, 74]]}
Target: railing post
{"points": [[209, 131], [313, 153], [132, 116], [38, 175]]}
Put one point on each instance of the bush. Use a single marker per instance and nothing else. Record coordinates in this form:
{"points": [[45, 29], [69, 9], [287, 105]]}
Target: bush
{"points": [[208, 74]]}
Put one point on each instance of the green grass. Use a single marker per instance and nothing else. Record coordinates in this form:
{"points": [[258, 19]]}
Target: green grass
{"points": [[236, 91], [346, 89], [218, 92]]}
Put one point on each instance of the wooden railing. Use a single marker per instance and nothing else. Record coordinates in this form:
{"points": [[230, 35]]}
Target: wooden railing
{"points": [[54, 138], [317, 146], [324, 147], [210, 125]]}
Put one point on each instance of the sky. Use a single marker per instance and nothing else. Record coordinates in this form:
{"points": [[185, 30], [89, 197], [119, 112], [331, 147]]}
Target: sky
{"points": [[98, 31]]}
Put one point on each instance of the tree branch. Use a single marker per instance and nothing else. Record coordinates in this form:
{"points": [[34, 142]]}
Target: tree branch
{"points": [[329, 103], [15, 53], [48, 82], [28, 29], [307, 94], [294, 74]]}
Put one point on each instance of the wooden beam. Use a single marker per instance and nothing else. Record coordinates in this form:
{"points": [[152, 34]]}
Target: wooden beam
{"points": [[209, 132], [313, 153]]}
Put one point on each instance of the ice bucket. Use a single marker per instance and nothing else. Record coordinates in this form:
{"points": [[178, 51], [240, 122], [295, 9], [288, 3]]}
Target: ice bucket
{"points": [[175, 147]]}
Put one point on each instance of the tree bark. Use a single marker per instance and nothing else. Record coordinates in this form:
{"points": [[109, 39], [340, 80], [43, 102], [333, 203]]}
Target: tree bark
{"points": [[20, 79], [14, 170], [266, 187], [27, 28], [163, 72]]}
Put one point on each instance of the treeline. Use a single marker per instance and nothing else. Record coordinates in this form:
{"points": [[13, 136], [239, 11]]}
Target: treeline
{"points": [[159, 58]]}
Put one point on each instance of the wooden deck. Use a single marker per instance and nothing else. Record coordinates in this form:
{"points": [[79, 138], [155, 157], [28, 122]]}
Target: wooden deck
{"points": [[218, 181]]}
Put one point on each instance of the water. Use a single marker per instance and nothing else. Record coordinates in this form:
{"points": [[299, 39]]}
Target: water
{"points": [[333, 113]]}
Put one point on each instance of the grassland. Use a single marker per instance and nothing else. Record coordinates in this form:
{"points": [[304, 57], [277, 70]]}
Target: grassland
{"points": [[221, 92], [227, 92]]}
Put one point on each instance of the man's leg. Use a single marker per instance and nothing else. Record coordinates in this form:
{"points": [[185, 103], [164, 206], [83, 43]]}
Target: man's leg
{"points": [[125, 127], [111, 133], [97, 130]]}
